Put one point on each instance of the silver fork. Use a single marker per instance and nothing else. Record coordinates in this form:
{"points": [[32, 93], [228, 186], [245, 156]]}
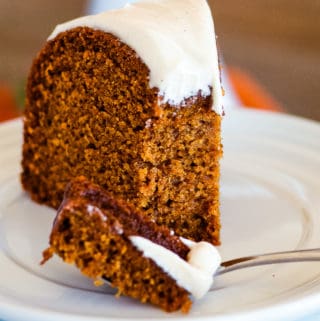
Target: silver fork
{"points": [[270, 258]]}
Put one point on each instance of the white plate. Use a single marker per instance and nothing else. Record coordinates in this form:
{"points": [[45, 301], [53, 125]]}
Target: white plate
{"points": [[270, 202]]}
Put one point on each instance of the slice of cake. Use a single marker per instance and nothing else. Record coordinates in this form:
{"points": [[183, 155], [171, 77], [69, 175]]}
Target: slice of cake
{"points": [[107, 238], [131, 99]]}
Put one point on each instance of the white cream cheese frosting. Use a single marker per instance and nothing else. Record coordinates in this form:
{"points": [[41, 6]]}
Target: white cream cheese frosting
{"points": [[194, 275], [175, 39]]}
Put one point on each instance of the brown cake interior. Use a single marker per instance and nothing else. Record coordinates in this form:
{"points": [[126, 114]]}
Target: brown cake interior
{"points": [[91, 231], [90, 111]]}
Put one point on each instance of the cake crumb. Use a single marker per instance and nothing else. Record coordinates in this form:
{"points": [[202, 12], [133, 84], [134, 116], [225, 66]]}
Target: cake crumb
{"points": [[98, 282]]}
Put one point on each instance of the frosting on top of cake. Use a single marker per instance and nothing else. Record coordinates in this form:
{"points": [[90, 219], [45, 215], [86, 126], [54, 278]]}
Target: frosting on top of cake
{"points": [[175, 39], [194, 275]]}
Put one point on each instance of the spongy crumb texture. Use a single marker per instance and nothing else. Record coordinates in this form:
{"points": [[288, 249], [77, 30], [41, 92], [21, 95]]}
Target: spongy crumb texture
{"points": [[90, 111], [92, 231]]}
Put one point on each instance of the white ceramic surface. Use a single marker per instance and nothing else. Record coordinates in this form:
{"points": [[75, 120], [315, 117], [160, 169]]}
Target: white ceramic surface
{"points": [[270, 202]]}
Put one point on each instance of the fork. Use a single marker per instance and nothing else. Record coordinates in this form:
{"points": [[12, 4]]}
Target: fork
{"points": [[269, 258]]}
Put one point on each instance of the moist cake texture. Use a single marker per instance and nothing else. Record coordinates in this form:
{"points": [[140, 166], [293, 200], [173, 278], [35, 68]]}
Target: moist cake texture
{"points": [[92, 231], [90, 110]]}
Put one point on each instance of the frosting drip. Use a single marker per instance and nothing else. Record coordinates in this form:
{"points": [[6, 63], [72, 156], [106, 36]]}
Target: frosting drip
{"points": [[175, 39], [194, 275]]}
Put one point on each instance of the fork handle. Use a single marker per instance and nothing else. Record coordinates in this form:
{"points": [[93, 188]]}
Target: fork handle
{"points": [[271, 258]]}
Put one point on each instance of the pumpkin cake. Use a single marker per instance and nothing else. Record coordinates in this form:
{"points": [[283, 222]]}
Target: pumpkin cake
{"points": [[106, 238], [131, 99]]}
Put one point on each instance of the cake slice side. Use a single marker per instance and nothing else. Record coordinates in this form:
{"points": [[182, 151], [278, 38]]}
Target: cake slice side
{"points": [[88, 99], [179, 174]]}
